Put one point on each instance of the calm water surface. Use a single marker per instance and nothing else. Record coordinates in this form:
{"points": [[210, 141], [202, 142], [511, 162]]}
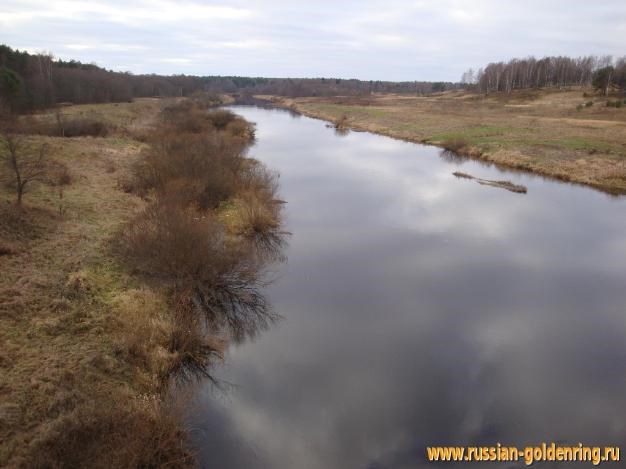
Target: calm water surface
{"points": [[422, 309]]}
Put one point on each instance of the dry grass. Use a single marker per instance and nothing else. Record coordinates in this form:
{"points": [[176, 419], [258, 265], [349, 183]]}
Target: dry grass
{"points": [[533, 130], [87, 346], [82, 342], [119, 119]]}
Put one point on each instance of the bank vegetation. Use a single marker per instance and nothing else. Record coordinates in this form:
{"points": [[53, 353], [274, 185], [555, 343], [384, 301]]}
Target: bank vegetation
{"points": [[131, 259]]}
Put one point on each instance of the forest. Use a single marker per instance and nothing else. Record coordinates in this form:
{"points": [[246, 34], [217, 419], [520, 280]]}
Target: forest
{"points": [[31, 82], [37, 81], [603, 73]]}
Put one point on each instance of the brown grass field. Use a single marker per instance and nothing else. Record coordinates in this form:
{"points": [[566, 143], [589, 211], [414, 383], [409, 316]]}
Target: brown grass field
{"points": [[82, 340], [88, 346], [548, 132]]}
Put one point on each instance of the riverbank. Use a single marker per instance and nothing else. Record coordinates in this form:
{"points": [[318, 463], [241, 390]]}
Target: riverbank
{"points": [[88, 342], [567, 135]]}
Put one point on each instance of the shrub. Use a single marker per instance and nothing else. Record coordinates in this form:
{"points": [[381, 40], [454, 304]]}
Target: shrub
{"points": [[59, 174], [185, 116], [255, 177], [206, 164], [22, 162], [342, 122], [101, 436], [190, 117], [240, 128], [455, 144], [189, 244], [221, 279], [192, 349], [258, 221], [589, 104], [579, 107], [79, 126], [220, 118]]}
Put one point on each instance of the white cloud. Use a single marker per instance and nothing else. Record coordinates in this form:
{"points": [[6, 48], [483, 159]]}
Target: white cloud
{"points": [[369, 39]]}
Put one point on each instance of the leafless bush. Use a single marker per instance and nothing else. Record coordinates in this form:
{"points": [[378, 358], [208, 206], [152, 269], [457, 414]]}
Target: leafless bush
{"points": [[240, 128], [66, 126], [255, 177], [22, 162], [193, 349], [455, 144], [103, 436], [58, 174], [185, 117], [208, 163], [82, 127], [342, 122], [220, 118], [221, 280], [188, 244], [259, 222]]}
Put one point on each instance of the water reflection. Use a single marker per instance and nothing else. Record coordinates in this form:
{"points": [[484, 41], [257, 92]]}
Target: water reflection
{"points": [[420, 309]]}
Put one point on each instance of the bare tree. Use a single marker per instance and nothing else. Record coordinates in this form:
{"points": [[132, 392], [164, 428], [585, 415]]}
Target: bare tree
{"points": [[23, 162]]}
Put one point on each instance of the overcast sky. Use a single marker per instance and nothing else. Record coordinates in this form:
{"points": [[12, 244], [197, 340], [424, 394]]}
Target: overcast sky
{"points": [[366, 39]]}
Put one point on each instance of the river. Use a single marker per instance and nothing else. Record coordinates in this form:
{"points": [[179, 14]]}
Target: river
{"points": [[421, 309]]}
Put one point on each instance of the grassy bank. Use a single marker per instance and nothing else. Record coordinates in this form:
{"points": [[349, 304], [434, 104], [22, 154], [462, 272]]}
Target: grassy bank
{"points": [[88, 339], [569, 135]]}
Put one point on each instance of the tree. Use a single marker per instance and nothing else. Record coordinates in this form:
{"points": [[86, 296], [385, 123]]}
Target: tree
{"points": [[602, 79], [23, 163], [9, 81], [438, 86]]}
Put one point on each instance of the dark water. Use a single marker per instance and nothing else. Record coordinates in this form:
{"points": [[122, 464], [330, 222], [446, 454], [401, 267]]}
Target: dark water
{"points": [[422, 309]]}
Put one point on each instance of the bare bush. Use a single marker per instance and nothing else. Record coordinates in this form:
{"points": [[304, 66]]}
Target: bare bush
{"points": [[209, 163], [58, 174], [193, 349], [220, 118], [342, 122], [255, 177], [222, 280], [259, 222], [87, 126], [189, 244], [185, 117], [23, 161], [240, 128], [103, 436], [455, 144], [66, 126]]}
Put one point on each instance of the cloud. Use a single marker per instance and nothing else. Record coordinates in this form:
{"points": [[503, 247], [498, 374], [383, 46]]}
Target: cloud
{"points": [[370, 39]]}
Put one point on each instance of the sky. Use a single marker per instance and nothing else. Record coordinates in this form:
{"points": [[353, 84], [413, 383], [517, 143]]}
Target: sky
{"points": [[367, 39]]}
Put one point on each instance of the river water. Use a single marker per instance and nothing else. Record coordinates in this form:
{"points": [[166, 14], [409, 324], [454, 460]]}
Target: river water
{"points": [[421, 309]]}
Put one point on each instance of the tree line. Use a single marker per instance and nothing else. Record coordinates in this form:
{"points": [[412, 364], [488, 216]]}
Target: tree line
{"points": [[604, 73], [37, 81]]}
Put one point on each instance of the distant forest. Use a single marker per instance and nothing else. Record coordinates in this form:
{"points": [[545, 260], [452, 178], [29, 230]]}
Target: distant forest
{"points": [[37, 81], [604, 73]]}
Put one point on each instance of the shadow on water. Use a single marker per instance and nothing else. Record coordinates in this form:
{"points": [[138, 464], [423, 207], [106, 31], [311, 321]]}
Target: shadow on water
{"points": [[212, 319]]}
